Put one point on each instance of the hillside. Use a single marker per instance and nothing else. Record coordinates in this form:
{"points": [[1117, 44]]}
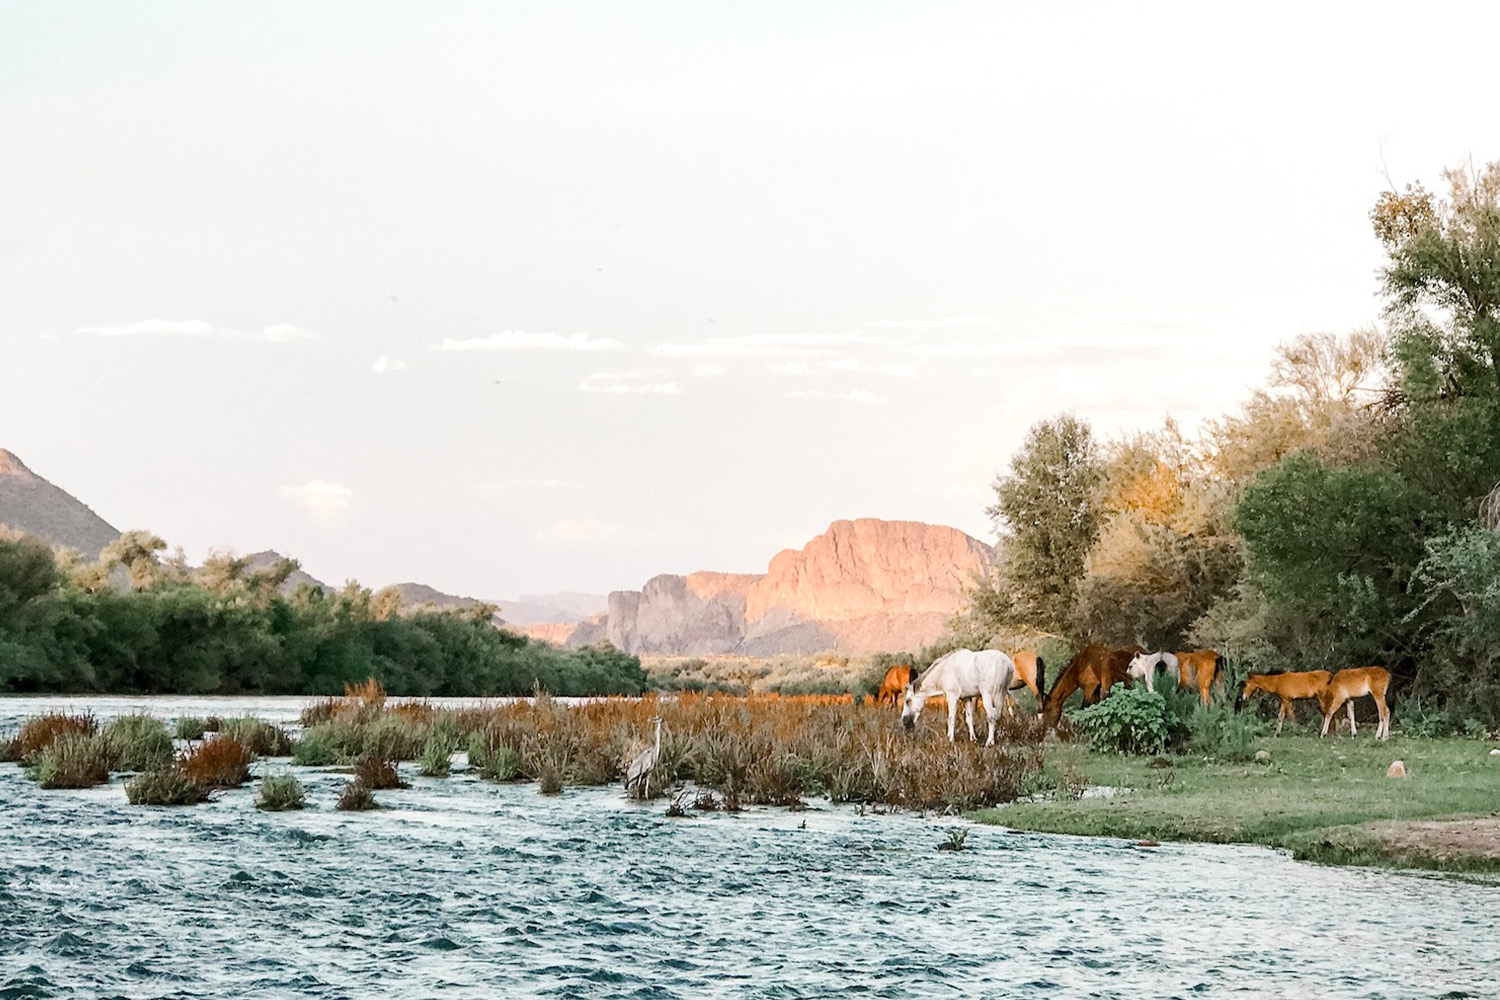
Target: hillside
{"points": [[31, 504]]}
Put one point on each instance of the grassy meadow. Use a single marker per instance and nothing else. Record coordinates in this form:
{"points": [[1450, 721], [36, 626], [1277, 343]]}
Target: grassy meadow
{"points": [[1326, 800]]}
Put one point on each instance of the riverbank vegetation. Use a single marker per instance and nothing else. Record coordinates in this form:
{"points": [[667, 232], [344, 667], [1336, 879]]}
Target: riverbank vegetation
{"points": [[1346, 515], [1325, 800], [136, 622]]}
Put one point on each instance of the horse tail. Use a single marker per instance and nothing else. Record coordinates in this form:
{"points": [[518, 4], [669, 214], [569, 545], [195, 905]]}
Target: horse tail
{"points": [[1041, 679]]}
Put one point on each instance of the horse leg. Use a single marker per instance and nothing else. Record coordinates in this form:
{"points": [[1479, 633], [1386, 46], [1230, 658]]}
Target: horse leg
{"points": [[1328, 715], [952, 717], [969, 718], [1350, 706], [1382, 730], [1203, 685], [1281, 716], [989, 715]]}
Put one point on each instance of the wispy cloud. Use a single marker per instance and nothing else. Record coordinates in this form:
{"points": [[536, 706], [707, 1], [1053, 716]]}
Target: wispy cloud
{"points": [[764, 345], [526, 340], [324, 502], [385, 364], [622, 383], [285, 333]]}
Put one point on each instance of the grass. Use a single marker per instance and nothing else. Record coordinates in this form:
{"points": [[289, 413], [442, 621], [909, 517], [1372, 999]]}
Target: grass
{"points": [[39, 733], [164, 786], [280, 792], [259, 737], [138, 742], [356, 797], [1324, 800], [72, 760], [222, 762], [190, 728]]}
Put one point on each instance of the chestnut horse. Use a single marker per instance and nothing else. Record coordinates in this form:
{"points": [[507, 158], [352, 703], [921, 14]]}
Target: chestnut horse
{"points": [[1288, 687], [1346, 685], [894, 683], [1094, 670], [1200, 669], [1031, 672]]}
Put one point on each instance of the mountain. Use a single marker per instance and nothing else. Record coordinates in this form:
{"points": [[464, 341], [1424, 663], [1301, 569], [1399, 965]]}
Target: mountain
{"points": [[259, 561], [31, 504], [861, 586], [565, 607]]}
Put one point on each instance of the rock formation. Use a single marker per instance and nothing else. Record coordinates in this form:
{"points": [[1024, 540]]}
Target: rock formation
{"points": [[861, 586], [31, 504]]}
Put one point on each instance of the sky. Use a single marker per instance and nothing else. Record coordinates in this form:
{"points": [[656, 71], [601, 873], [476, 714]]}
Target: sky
{"points": [[515, 298]]}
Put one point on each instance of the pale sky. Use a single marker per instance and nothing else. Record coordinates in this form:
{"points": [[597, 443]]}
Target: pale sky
{"points": [[514, 297]]}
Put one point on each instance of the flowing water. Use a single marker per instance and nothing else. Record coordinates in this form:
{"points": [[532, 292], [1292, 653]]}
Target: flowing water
{"points": [[459, 888]]}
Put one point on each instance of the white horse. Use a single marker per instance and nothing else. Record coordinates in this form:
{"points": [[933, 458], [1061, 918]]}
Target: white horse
{"points": [[963, 674], [1145, 665]]}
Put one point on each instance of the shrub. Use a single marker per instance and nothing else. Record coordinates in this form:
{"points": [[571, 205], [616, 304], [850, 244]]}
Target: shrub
{"points": [[321, 711], [164, 786], [356, 796], [377, 772], [1130, 720], [280, 792], [39, 733], [72, 760], [1221, 733], [437, 757], [212, 723], [259, 737], [222, 762], [315, 748], [138, 742], [390, 737], [190, 728]]}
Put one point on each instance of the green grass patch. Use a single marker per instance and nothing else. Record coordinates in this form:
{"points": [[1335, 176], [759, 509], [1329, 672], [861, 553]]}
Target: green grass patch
{"points": [[1325, 800]]}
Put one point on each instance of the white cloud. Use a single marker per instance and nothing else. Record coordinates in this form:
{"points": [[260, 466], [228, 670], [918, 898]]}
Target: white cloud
{"points": [[285, 333], [324, 502], [852, 396], [898, 370], [385, 363], [764, 345], [581, 531], [156, 328], [622, 388], [526, 340]]}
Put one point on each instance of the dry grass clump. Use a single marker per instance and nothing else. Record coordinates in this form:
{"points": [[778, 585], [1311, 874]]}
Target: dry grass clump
{"points": [[72, 760], [39, 733], [164, 786], [376, 772], [356, 797], [259, 737], [222, 762]]}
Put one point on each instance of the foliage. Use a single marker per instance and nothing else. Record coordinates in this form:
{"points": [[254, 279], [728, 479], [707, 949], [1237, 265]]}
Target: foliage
{"points": [[72, 760], [280, 792], [437, 756], [190, 728], [356, 797], [165, 785], [222, 762], [138, 742], [1130, 720], [38, 733], [376, 772]]}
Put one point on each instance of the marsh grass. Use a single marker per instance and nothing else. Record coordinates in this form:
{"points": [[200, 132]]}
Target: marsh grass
{"points": [[190, 728], [280, 793], [165, 785], [72, 760], [437, 756], [356, 797], [138, 742], [39, 733], [377, 773], [221, 762], [259, 737]]}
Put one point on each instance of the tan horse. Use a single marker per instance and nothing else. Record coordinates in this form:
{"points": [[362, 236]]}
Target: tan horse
{"points": [[1031, 673], [894, 683], [1288, 687], [1201, 669], [1346, 685], [1094, 670]]}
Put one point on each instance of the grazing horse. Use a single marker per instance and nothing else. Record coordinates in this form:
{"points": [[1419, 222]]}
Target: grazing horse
{"points": [[1346, 685], [1288, 687], [1031, 672], [894, 683], [963, 673], [1199, 669], [1094, 670]]}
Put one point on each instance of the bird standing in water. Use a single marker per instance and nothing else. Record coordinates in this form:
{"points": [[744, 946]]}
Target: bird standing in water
{"points": [[638, 775]]}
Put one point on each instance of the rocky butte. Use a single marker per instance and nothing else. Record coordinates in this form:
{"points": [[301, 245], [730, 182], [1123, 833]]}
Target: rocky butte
{"points": [[861, 586]]}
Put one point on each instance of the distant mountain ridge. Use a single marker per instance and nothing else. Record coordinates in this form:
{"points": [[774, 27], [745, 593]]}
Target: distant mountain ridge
{"points": [[862, 586], [31, 504]]}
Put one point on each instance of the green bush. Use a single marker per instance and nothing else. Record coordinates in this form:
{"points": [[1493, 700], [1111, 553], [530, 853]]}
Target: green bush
{"points": [[280, 792], [1130, 720], [437, 756], [1221, 733], [164, 786], [316, 748], [73, 760], [190, 727], [258, 736], [377, 772], [138, 742], [356, 797]]}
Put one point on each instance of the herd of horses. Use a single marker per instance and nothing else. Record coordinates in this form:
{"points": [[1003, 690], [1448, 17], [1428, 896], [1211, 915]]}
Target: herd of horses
{"points": [[988, 676]]}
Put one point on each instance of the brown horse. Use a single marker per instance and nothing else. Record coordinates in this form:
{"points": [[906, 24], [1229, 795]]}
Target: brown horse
{"points": [[894, 684], [1031, 672], [1094, 670], [1288, 687], [1201, 669], [1346, 685]]}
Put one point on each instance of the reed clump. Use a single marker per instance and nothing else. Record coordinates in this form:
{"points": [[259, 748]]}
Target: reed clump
{"points": [[37, 734], [280, 793], [356, 797], [190, 727], [166, 785], [222, 762], [138, 742], [72, 760], [258, 736], [376, 773]]}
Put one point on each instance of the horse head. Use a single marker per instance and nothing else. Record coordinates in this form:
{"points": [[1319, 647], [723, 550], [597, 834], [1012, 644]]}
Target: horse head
{"points": [[911, 705]]}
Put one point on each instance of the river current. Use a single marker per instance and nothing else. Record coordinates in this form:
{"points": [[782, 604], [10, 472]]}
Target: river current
{"points": [[461, 888]]}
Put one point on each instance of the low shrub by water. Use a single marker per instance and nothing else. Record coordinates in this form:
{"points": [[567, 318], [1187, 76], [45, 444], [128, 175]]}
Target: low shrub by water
{"points": [[376, 773], [138, 742], [437, 757], [221, 762], [190, 728], [164, 786], [72, 760], [259, 737], [1130, 720], [356, 796], [39, 733], [280, 792]]}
